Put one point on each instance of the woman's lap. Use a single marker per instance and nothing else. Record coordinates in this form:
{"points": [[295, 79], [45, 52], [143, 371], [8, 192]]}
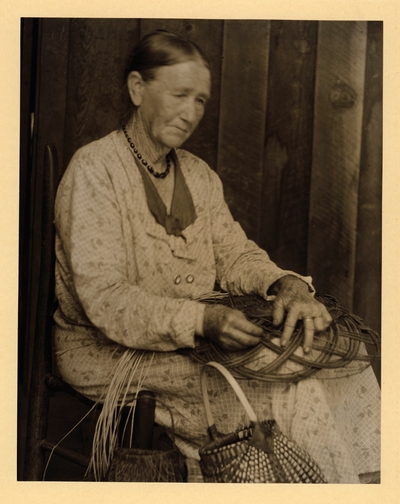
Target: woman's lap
{"points": [[336, 420]]}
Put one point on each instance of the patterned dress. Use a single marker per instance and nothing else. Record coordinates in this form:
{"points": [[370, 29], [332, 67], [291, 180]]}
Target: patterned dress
{"points": [[123, 282]]}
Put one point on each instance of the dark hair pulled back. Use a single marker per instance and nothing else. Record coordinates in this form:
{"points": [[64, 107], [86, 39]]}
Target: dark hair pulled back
{"points": [[162, 48]]}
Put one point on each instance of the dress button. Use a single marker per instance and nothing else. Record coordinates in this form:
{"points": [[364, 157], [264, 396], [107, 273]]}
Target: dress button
{"points": [[190, 279], [177, 279]]}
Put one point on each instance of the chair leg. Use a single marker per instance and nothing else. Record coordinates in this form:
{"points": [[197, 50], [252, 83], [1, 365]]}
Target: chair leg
{"points": [[38, 409], [143, 424], [144, 420], [36, 430]]}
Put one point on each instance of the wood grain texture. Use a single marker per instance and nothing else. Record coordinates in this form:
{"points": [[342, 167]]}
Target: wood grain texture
{"points": [[29, 28], [367, 301], [50, 109], [288, 143], [336, 157], [97, 98], [242, 119], [48, 128], [206, 33]]}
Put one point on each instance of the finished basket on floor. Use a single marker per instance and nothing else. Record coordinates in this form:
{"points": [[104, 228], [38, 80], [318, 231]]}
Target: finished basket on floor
{"points": [[148, 465], [259, 453], [133, 464]]}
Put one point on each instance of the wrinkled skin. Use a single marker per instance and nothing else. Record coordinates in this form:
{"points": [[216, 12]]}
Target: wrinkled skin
{"points": [[293, 301], [229, 328]]}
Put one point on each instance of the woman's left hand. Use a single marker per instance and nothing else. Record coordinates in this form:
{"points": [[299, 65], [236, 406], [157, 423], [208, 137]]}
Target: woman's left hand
{"points": [[294, 299]]}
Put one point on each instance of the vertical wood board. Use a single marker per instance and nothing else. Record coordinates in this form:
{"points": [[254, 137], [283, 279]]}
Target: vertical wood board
{"points": [[288, 143], [97, 98], [336, 157], [242, 119], [52, 78], [28, 63], [207, 34], [367, 301], [48, 128]]}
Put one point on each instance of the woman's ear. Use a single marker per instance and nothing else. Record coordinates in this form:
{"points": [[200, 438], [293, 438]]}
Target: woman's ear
{"points": [[135, 85]]}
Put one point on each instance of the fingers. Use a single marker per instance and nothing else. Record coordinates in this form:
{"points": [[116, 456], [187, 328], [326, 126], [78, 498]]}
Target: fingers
{"points": [[288, 328], [237, 341], [240, 331], [326, 317], [319, 324], [323, 321], [240, 322], [230, 329], [315, 324], [278, 312], [314, 315], [308, 324]]}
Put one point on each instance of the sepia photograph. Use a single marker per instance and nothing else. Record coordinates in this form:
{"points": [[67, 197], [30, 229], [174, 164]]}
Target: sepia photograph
{"points": [[200, 250]]}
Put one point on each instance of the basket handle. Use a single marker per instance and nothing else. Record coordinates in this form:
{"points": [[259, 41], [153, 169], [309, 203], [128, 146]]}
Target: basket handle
{"points": [[233, 383]]}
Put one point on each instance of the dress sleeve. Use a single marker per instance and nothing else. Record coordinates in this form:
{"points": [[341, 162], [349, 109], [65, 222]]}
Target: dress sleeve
{"points": [[90, 234], [242, 267]]}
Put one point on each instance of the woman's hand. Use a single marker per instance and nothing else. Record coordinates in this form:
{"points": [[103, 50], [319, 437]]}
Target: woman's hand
{"points": [[229, 328], [294, 299]]}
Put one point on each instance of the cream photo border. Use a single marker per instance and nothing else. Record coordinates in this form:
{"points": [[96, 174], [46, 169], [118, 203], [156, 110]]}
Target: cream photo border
{"points": [[11, 490]]}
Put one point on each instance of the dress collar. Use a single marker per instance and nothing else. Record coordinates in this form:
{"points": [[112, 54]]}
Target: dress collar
{"points": [[182, 212]]}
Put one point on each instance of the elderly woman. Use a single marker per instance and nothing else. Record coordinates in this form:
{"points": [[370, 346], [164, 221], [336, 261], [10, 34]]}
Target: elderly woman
{"points": [[142, 231]]}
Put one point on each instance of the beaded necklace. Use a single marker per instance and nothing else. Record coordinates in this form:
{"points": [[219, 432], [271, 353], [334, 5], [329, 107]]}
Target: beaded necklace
{"points": [[144, 162]]}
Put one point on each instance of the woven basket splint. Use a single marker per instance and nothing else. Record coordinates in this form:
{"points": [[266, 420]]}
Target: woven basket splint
{"points": [[341, 348], [134, 464], [259, 453]]}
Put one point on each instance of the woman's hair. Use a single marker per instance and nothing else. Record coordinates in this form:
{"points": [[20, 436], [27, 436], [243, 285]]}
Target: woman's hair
{"points": [[161, 48]]}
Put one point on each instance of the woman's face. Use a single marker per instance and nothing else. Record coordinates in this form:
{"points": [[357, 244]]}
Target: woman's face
{"points": [[172, 104]]}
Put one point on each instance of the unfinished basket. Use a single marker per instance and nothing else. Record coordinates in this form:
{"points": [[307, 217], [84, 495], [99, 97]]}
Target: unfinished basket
{"points": [[341, 348]]}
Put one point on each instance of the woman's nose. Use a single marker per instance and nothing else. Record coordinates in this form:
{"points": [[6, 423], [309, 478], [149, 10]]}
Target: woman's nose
{"points": [[190, 112]]}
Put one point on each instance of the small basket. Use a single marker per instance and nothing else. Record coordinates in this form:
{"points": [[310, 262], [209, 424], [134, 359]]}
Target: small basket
{"points": [[259, 453], [133, 464], [143, 465]]}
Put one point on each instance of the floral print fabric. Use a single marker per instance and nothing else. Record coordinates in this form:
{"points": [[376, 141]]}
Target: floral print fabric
{"points": [[123, 282]]}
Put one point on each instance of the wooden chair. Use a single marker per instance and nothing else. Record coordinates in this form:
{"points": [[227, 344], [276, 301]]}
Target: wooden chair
{"points": [[44, 382]]}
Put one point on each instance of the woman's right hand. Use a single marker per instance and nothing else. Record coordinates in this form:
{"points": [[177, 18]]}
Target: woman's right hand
{"points": [[229, 328]]}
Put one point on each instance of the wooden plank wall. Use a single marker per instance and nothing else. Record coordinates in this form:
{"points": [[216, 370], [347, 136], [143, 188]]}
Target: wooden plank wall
{"points": [[96, 101], [367, 282], [288, 143], [293, 128], [339, 94], [243, 108], [50, 75]]}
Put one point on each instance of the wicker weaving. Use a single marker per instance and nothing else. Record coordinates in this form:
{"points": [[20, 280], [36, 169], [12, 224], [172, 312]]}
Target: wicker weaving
{"points": [[341, 347], [259, 453], [131, 464], [153, 465]]}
